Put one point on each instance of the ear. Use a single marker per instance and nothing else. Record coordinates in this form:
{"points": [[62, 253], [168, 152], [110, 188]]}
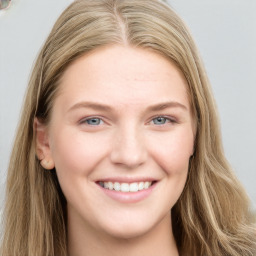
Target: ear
{"points": [[43, 150]]}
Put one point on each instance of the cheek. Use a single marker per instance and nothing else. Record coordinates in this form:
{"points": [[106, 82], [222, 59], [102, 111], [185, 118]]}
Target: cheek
{"points": [[76, 156], [75, 152], [173, 151]]}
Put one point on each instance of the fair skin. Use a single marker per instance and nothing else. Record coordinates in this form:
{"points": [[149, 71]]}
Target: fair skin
{"points": [[122, 116]]}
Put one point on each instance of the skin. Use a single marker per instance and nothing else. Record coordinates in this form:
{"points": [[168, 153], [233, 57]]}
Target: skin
{"points": [[123, 140]]}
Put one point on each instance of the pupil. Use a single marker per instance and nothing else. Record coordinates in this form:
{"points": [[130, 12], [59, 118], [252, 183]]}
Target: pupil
{"points": [[159, 120], [94, 121]]}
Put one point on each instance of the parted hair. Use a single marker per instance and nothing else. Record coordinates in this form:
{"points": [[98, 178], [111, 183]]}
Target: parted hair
{"points": [[212, 216]]}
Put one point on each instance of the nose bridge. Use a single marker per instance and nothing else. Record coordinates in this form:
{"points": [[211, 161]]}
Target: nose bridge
{"points": [[129, 146]]}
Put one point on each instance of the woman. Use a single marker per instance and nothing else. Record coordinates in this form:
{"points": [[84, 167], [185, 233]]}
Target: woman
{"points": [[119, 151]]}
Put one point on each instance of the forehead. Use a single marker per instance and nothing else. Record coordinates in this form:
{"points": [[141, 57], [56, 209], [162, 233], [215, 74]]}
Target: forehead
{"points": [[123, 73]]}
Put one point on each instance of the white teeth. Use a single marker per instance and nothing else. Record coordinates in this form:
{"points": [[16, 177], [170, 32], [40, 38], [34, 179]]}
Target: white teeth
{"points": [[147, 184], [141, 185], [134, 187], [117, 186], [126, 187], [106, 185], [110, 186]]}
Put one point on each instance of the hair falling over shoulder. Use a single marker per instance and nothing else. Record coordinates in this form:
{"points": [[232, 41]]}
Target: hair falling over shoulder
{"points": [[212, 216]]}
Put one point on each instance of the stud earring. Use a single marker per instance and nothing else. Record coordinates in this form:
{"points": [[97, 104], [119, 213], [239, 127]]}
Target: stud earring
{"points": [[47, 164]]}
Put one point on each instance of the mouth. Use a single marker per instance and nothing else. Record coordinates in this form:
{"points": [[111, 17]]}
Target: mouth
{"points": [[127, 190], [126, 187]]}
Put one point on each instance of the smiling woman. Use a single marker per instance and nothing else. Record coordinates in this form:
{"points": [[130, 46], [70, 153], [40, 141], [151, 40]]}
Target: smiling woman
{"points": [[143, 142], [120, 153]]}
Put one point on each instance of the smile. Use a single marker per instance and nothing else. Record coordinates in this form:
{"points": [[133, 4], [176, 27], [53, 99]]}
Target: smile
{"points": [[127, 190], [126, 187]]}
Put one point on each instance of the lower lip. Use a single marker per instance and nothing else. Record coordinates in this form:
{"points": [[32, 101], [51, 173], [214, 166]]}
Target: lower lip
{"points": [[128, 197]]}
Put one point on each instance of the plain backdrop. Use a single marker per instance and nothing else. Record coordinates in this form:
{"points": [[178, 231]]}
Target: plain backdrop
{"points": [[225, 32]]}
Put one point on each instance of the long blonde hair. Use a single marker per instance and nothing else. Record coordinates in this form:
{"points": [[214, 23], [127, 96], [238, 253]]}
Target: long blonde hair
{"points": [[212, 216]]}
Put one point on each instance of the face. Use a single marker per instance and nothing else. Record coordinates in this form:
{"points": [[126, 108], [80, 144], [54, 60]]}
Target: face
{"points": [[120, 136]]}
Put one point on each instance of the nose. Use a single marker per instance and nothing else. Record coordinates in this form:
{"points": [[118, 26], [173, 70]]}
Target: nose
{"points": [[129, 148]]}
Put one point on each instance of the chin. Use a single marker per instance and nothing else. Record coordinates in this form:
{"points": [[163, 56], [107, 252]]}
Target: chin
{"points": [[130, 229], [128, 233]]}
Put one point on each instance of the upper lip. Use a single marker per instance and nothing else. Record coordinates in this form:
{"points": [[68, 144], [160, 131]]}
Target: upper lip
{"points": [[127, 179]]}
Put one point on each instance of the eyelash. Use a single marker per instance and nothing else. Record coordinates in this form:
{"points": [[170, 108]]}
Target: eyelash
{"points": [[100, 120]]}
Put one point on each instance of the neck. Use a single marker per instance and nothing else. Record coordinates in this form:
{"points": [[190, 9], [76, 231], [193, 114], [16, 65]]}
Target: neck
{"points": [[83, 240]]}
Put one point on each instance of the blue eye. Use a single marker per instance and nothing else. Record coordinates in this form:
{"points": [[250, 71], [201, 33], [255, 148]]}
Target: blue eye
{"points": [[93, 121], [160, 120]]}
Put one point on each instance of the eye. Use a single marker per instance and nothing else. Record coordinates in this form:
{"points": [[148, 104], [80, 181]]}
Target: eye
{"points": [[92, 121], [160, 120]]}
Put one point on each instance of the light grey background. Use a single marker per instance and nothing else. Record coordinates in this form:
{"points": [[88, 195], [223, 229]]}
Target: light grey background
{"points": [[225, 32]]}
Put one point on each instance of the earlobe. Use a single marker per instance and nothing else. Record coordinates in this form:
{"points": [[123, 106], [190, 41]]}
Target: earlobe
{"points": [[47, 164], [43, 150]]}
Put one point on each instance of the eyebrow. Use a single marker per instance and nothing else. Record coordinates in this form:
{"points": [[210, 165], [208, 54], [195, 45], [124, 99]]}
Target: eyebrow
{"points": [[104, 107], [92, 105], [164, 105]]}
